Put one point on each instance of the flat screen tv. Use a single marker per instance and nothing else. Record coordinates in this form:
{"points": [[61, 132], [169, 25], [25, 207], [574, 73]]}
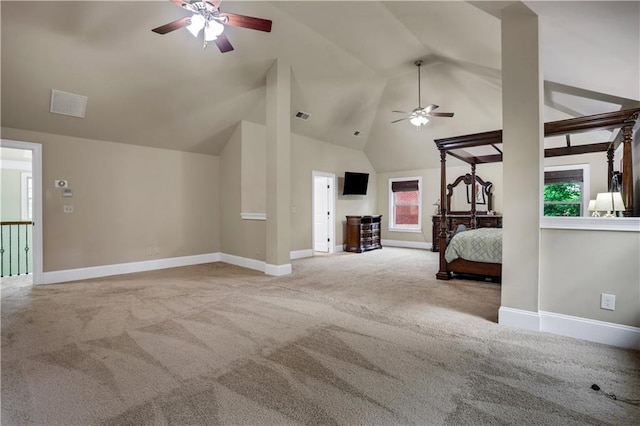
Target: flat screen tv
{"points": [[355, 183]]}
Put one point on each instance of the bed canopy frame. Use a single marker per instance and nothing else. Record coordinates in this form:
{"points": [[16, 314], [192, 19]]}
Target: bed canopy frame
{"points": [[624, 120]]}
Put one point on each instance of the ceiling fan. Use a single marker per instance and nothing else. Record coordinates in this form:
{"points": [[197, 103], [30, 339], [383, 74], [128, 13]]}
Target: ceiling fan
{"points": [[420, 116], [206, 15]]}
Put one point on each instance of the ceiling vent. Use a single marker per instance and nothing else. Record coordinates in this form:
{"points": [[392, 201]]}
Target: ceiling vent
{"points": [[302, 115], [68, 104]]}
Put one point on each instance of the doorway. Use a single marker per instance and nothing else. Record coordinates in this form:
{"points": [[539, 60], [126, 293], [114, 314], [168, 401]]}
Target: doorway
{"points": [[22, 163], [323, 212]]}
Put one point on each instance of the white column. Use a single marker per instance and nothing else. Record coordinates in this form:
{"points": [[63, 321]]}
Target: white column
{"points": [[523, 147], [278, 168]]}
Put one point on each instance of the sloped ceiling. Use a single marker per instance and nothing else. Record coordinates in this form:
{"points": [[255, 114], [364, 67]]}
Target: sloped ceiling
{"points": [[352, 64]]}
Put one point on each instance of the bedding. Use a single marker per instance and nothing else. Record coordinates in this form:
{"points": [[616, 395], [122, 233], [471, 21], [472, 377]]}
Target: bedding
{"points": [[478, 245]]}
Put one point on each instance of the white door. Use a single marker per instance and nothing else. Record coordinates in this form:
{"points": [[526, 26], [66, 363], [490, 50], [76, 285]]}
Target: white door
{"points": [[323, 184]]}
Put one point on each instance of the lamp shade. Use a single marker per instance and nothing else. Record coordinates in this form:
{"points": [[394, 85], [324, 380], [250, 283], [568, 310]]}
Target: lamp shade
{"points": [[592, 205], [196, 25], [609, 201], [212, 30]]}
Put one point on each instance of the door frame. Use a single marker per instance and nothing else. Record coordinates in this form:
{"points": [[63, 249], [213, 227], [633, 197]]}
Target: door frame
{"points": [[36, 175], [331, 207]]}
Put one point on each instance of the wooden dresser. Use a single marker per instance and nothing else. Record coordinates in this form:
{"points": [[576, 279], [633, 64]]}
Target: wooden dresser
{"points": [[363, 233], [453, 220]]}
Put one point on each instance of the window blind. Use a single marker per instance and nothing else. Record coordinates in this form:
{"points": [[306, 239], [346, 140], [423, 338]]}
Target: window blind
{"points": [[563, 176], [404, 186]]}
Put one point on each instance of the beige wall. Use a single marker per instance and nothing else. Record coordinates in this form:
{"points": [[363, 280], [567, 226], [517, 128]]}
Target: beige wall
{"points": [[568, 287], [253, 169], [247, 238], [131, 203], [522, 156], [309, 155], [238, 237]]}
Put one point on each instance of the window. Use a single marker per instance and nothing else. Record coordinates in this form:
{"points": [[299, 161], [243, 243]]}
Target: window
{"points": [[405, 204], [565, 190], [26, 191]]}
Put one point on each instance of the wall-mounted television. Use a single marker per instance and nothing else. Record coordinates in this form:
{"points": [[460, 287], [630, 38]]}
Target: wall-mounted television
{"points": [[355, 183]]}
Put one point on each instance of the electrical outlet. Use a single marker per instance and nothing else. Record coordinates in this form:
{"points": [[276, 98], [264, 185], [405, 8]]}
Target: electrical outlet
{"points": [[608, 301], [68, 209]]}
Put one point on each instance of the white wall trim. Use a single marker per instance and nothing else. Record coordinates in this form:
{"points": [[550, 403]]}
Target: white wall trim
{"points": [[629, 224], [407, 244], [592, 330], [566, 325], [299, 254], [338, 248], [278, 270], [126, 268], [245, 262], [519, 318], [253, 216]]}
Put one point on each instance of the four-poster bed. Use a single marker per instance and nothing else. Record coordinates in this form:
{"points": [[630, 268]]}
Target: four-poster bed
{"points": [[458, 147]]}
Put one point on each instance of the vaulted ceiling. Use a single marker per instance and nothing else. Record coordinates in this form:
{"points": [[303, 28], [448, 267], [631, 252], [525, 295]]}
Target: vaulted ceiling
{"points": [[352, 64]]}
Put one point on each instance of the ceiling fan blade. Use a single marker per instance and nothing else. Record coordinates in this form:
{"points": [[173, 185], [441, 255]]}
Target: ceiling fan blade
{"points": [[441, 114], [402, 119], [430, 108], [247, 22], [400, 112], [172, 26], [223, 43]]}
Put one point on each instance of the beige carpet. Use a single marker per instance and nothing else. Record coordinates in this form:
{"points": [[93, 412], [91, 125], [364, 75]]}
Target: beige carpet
{"points": [[349, 339]]}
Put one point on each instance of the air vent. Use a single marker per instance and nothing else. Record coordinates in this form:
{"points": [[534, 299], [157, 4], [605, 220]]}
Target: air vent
{"points": [[68, 104], [302, 115]]}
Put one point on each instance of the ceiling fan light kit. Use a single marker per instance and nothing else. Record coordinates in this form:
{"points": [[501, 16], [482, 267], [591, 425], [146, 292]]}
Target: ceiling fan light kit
{"points": [[420, 116], [207, 16]]}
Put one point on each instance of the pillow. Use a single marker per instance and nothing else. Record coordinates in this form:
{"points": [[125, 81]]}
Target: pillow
{"points": [[460, 228]]}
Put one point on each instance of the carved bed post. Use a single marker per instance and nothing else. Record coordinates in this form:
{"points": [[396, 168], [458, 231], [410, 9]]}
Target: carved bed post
{"points": [[610, 153], [443, 274], [627, 170], [473, 221]]}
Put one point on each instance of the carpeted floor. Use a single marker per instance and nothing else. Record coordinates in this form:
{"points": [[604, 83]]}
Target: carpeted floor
{"points": [[348, 339]]}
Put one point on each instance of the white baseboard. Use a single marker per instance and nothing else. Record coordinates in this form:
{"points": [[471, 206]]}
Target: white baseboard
{"points": [[339, 248], [54, 277], [257, 265], [406, 244], [299, 254], [587, 329], [519, 318], [77, 274], [278, 270], [608, 333]]}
